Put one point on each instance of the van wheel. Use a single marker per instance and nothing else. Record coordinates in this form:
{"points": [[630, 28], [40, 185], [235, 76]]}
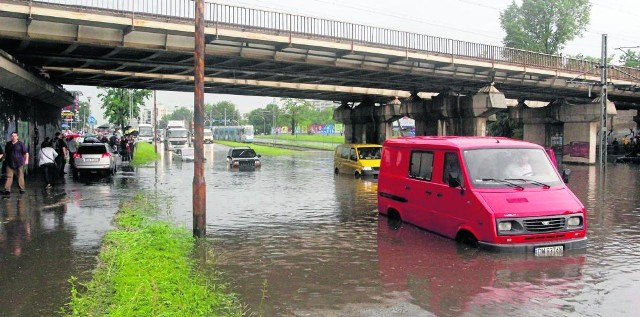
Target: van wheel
{"points": [[466, 237], [357, 175], [336, 171]]}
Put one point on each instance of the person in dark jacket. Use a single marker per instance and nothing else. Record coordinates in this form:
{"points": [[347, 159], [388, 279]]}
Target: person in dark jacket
{"points": [[61, 147], [17, 157]]}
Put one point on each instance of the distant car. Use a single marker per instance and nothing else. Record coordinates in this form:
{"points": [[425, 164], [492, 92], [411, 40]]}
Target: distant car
{"points": [[243, 157], [94, 158]]}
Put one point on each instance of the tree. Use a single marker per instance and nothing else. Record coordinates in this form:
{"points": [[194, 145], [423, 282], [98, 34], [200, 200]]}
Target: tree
{"points": [[504, 126], [83, 112], [544, 25], [630, 59], [121, 104], [295, 109], [222, 113]]}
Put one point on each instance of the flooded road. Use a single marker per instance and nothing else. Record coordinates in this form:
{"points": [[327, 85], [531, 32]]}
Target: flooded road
{"points": [[295, 240]]}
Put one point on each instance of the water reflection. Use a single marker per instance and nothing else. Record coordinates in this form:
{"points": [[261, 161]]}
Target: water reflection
{"points": [[447, 279], [15, 230]]}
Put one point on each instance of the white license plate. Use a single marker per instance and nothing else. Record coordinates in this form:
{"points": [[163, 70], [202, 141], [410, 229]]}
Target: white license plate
{"points": [[91, 160], [556, 250]]}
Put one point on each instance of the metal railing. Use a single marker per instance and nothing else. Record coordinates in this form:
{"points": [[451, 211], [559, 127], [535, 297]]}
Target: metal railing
{"points": [[309, 27]]}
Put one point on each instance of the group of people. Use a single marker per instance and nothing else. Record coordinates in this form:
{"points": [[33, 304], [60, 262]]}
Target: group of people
{"points": [[52, 157], [51, 160]]}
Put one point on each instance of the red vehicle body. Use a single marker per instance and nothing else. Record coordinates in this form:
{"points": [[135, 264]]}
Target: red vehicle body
{"points": [[497, 193], [449, 280]]}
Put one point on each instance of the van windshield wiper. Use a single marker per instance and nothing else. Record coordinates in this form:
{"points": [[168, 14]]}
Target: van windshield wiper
{"points": [[545, 186], [503, 181]]}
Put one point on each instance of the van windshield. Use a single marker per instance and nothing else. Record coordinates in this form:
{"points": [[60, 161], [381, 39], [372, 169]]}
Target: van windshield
{"points": [[369, 153], [505, 167]]}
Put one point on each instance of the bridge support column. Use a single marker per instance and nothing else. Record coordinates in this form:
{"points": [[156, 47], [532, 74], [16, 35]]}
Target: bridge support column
{"points": [[454, 114], [574, 127]]}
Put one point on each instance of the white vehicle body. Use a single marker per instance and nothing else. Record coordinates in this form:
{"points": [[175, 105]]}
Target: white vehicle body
{"points": [[145, 133], [176, 138]]}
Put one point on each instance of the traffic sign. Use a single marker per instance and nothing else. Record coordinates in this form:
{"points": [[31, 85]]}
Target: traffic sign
{"points": [[91, 120]]}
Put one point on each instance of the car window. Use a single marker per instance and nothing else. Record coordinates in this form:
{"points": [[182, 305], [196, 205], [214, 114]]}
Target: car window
{"points": [[87, 149], [243, 153]]}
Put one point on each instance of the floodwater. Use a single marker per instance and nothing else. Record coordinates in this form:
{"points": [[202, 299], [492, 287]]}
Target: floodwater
{"points": [[292, 239]]}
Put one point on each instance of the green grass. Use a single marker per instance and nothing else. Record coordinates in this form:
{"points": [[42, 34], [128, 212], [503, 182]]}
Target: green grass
{"points": [[260, 149], [144, 154], [146, 268], [338, 139]]}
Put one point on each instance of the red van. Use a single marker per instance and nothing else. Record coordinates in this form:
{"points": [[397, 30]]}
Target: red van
{"points": [[496, 193]]}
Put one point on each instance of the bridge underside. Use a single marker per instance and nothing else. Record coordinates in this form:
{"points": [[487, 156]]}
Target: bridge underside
{"points": [[103, 48]]}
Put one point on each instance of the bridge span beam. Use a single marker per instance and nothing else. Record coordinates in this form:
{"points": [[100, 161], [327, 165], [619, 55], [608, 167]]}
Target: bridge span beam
{"points": [[444, 114]]}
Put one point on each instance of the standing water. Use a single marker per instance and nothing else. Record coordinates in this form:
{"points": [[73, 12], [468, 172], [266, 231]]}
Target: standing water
{"points": [[292, 239]]}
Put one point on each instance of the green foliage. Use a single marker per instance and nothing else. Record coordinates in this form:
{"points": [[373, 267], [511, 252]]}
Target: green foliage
{"points": [[144, 154], [146, 269], [216, 114], [118, 103], [544, 25], [630, 59], [83, 112], [504, 126], [308, 138]]}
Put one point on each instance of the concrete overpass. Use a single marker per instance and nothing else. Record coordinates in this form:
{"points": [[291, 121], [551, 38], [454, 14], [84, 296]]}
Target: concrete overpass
{"points": [[149, 44]]}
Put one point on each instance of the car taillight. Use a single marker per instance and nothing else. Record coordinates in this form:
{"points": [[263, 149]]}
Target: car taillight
{"points": [[77, 155], [106, 154]]}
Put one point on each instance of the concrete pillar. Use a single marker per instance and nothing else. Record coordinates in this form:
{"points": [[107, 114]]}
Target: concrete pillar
{"points": [[580, 124]]}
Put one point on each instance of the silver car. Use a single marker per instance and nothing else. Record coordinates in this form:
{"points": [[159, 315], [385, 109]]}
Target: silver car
{"points": [[94, 158]]}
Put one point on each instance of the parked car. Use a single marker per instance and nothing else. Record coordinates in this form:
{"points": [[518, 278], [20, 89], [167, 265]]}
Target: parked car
{"points": [[243, 157], [94, 158]]}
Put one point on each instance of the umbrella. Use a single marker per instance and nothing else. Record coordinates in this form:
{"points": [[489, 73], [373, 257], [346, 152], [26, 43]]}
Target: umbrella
{"points": [[104, 126]]}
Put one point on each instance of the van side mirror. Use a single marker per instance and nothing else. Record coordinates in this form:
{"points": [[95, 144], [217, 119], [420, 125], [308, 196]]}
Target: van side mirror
{"points": [[453, 180], [565, 175]]}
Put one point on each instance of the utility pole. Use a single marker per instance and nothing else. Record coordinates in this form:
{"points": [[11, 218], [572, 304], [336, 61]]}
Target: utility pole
{"points": [[155, 123], [602, 155], [199, 185]]}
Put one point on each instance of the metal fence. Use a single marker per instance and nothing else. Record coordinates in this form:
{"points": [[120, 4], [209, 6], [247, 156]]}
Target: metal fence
{"points": [[309, 27]]}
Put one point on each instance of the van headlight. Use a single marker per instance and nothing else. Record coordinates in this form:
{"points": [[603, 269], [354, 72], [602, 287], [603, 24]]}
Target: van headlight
{"points": [[504, 226], [574, 221], [366, 168]]}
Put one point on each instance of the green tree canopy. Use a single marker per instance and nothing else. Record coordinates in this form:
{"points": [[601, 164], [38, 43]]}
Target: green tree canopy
{"points": [[83, 112], [544, 25], [220, 113], [121, 104], [296, 111], [630, 59]]}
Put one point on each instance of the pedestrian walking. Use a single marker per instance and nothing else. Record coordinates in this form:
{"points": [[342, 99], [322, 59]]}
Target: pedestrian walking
{"points": [[47, 161], [17, 157], [72, 147], [61, 147]]}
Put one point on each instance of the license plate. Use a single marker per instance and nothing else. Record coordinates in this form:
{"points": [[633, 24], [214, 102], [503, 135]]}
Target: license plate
{"points": [[556, 250], [91, 160]]}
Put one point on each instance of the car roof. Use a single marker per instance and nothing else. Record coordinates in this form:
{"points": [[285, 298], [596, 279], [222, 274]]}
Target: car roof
{"points": [[460, 142]]}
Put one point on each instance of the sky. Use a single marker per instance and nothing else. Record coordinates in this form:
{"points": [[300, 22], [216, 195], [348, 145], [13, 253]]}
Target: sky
{"points": [[467, 20]]}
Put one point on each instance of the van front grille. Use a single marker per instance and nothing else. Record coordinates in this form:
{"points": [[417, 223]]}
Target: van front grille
{"points": [[544, 224]]}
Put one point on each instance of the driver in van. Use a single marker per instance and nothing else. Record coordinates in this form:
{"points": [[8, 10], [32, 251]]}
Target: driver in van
{"points": [[521, 167]]}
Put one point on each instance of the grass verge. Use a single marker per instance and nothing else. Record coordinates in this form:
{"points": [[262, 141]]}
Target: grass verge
{"points": [[146, 268], [144, 154], [260, 149], [306, 137]]}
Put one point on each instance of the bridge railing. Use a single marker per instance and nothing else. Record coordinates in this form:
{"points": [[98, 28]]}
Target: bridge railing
{"points": [[310, 27]]}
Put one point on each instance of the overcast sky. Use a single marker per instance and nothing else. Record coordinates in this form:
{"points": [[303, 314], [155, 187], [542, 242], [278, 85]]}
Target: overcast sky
{"points": [[466, 20]]}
